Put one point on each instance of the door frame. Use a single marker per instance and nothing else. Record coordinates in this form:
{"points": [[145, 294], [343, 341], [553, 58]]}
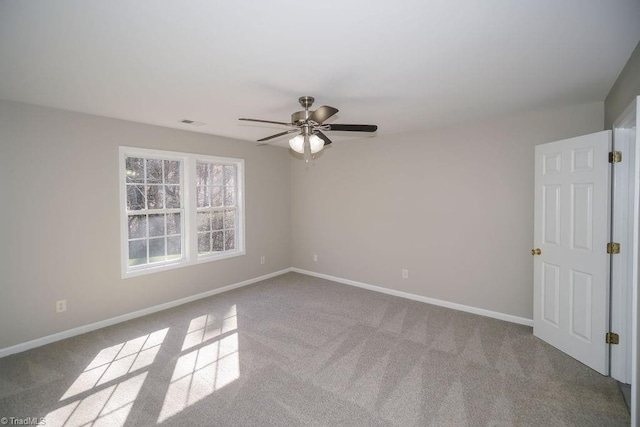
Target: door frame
{"points": [[622, 226], [635, 277], [629, 317]]}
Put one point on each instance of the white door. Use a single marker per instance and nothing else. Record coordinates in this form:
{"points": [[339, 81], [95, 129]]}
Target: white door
{"points": [[571, 228]]}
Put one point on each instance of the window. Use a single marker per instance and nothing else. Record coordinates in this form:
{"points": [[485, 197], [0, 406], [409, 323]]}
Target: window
{"points": [[179, 209], [154, 210]]}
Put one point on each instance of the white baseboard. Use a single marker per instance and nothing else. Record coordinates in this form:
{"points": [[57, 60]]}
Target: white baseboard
{"points": [[123, 318], [441, 303]]}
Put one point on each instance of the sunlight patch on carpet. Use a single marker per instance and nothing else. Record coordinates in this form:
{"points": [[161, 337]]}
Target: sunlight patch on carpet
{"points": [[202, 371], [117, 361], [108, 406], [209, 326], [105, 392]]}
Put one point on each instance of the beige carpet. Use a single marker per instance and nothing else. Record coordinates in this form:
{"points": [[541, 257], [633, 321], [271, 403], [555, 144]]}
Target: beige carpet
{"points": [[296, 350]]}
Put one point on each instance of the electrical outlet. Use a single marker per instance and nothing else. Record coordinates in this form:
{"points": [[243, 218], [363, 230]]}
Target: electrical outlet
{"points": [[315, 257], [405, 274], [262, 260], [61, 306]]}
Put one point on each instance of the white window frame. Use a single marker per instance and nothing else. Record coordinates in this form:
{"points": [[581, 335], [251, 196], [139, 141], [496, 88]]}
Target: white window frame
{"points": [[189, 224]]}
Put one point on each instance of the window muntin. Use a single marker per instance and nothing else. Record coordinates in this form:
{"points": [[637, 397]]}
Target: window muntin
{"points": [[179, 209]]}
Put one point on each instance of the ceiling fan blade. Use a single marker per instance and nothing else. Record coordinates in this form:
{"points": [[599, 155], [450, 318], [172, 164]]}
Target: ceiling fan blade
{"points": [[278, 134], [323, 137], [266, 121], [354, 128], [322, 114]]}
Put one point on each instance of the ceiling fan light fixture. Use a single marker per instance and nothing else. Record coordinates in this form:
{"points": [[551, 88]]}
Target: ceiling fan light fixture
{"points": [[316, 144], [297, 144]]}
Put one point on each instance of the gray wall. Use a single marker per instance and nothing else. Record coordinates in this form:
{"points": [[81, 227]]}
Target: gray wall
{"points": [[59, 220], [624, 90], [454, 207]]}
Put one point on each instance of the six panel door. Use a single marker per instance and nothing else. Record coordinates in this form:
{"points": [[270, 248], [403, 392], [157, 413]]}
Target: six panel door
{"points": [[571, 229]]}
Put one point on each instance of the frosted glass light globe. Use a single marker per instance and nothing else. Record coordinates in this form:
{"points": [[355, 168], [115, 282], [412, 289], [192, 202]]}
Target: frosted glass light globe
{"points": [[297, 144], [317, 144]]}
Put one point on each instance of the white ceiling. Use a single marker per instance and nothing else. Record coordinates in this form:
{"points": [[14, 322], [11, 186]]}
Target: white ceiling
{"points": [[403, 65]]}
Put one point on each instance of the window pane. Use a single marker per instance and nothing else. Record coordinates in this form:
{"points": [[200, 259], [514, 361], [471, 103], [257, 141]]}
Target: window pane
{"points": [[174, 247], [229, 218], [201, 173], [174, 225], [154, 171], [230, 239], [203, 221], [155, 197], [230, 196], [216, 196], [137, 226], [218, 243], [156, 250], [135, 169], [172, 196], [216, 171], [218, 220], [230, 175], [156, 225], [135, 197], [205, 176], [171, 172], [202, 195], [204, 242], [137, 252]]}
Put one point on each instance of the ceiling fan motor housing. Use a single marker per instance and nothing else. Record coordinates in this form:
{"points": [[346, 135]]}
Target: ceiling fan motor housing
{"points": [[299, 117]]}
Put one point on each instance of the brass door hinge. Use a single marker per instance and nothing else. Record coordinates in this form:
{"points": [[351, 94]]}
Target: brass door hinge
{"points": [[612, 338], [613, 248], [615, 156]]}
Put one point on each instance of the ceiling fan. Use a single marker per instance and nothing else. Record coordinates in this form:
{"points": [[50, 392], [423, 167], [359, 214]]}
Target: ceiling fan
{"points": [[309, 125]]}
